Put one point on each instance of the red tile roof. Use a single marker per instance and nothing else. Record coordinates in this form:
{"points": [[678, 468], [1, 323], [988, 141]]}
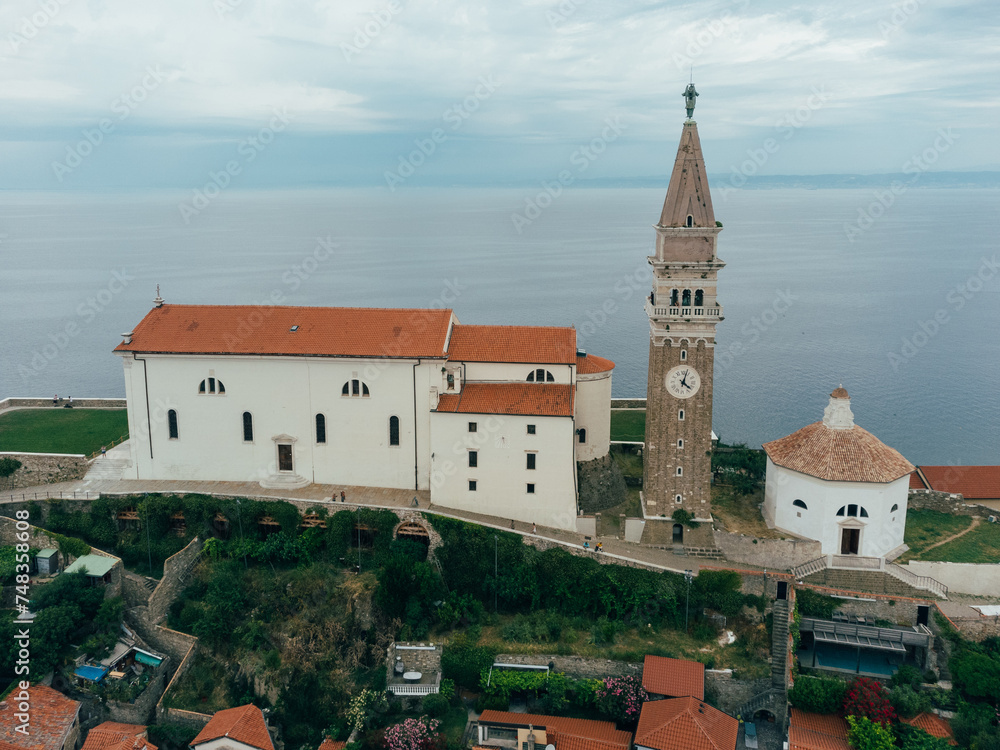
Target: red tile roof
{"points": [[539, 345], [329, 744], [528, 399], [53, 716], [266, 329], [853, 455], [685, 724], [675, 678], [244, 724], [829, 724], [114, 736], [934, 725], [972, 482], [804, 739], [916, 483], [591, 364], [566, 734]]}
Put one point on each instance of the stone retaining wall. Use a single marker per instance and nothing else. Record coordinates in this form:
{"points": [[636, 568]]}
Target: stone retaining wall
{"points": [[134, 590], [143, 710], [601, 484], [945, 502], [963, 578], [628, 403], [781, 554], [42, 403], [175, 572], [730, 694], [575, 667], [44, 468]]}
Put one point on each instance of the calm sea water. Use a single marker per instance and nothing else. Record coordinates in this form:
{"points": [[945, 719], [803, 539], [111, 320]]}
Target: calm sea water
{"points": [[806, 309]]}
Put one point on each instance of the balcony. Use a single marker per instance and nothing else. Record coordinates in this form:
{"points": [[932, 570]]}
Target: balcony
{"points": [[682, 312]]}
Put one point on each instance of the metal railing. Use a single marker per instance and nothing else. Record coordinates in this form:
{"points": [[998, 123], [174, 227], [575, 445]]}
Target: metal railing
{"points": [[23, 497], [856, 562], [918, 582], [116, 441], [413, 689], [808, 568]]}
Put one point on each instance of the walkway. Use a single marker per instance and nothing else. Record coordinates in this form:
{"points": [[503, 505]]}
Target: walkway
{"points": [[976, 520]]}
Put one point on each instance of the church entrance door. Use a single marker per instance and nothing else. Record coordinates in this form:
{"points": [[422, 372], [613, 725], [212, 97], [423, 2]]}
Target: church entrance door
{"points": [[678, 535], [284, 457], [850, 541]]}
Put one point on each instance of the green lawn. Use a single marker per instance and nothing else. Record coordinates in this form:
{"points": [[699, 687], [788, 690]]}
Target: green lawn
{"points": [[61, 430], [628, 425], [981, 545], [927, 527]]}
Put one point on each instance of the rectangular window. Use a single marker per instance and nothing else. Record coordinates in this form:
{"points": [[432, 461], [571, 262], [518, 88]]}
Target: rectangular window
{"points": [[394, 430], [531, 429], [473, 459], [355, 387], [500, 733], [472, 427], [531, 489], [472, 485], [531, 460]]}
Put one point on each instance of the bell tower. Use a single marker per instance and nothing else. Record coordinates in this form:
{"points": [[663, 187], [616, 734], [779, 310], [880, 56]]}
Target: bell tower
{"points": [[683, 313]]}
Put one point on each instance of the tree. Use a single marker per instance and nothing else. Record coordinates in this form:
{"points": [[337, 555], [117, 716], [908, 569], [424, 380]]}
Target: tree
{"points": [[865, 734], [412, 734], [913, 738], [8, 466], [621, 698], [867, 698], [818, 695]]}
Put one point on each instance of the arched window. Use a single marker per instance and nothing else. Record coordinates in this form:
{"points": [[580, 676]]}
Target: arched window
{"points": [[355, 389], [541, 375], [680, 415], [172, 424], [684, 355], [686, 298], [852, 511], [247, 427], [674, 297], [320, 428], [699, 298], [583, 435], [690, 220], [800, 504], [864, 513], [211, 385], [680, 471], [842, 509], [678, 499], [393, 430], [680, 442], [894, 508]]}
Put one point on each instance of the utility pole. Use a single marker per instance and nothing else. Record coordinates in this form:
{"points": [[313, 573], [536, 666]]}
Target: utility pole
{"points": [[239, 515], [496, 570], [688, 575], [149, 552], [359, 540]]}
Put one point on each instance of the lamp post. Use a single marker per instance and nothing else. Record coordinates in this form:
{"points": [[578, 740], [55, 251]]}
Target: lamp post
{"points": [[359, 539], [688, 575], [496, 570], [149, 552], [239, 516]]}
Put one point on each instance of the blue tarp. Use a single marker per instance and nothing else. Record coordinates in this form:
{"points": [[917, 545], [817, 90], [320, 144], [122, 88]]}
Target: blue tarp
{"points": [[94, 674]]}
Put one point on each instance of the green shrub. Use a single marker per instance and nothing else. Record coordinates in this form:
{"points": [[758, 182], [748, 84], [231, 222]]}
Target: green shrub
{"points": [[820, 695], [907, 675], [463, 661], [436, 705], [909, 702], [811, 604]]}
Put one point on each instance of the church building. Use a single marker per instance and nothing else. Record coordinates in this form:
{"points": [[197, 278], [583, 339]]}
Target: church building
{"points": [[835, 482], [488, 419]]}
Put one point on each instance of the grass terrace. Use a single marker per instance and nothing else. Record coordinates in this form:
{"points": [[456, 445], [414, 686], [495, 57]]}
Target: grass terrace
{"points": [[979, 545], [925, 528], [628, 425], [61, 430]]}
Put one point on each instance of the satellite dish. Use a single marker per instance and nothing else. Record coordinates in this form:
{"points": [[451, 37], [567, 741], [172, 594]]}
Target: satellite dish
{"points": [[550, 747]]}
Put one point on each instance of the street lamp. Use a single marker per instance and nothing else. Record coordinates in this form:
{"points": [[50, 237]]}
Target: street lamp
{"points": [[688, 575], [496, 570], [149, 552]]}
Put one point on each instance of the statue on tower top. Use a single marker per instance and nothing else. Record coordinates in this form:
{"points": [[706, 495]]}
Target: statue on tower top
{"points": [[689, 96]]}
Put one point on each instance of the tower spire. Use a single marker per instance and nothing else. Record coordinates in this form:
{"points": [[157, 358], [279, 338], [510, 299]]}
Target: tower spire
{"points": [[688, 202], [689, 95]]}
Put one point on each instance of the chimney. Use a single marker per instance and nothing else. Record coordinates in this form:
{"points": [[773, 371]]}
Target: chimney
{"points": [[158, 302], [127, 337]]}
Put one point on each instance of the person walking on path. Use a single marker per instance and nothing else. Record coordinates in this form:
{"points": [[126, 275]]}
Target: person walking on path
{"points": [[55, 400], [512, 523], [104, 451], [534, 528], [343, 497]]}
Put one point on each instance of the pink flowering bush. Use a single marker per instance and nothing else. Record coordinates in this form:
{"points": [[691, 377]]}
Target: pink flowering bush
{"points": [[412, 734], [621, 698]]}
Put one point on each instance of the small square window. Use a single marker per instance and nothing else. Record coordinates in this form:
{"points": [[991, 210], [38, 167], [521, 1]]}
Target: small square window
{"points": [[531, 460], [798, 514], [531, 429], [531, 489], [473, 427], [473, 459], [472, 485]]}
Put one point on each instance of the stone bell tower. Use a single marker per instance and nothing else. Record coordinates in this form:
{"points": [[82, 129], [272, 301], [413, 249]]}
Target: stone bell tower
{"points": [[683, 313]]}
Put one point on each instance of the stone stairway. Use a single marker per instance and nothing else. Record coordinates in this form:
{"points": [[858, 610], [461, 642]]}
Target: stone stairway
{"points": [[779, 644], [772, 700], [873, 581], [103, 469]]}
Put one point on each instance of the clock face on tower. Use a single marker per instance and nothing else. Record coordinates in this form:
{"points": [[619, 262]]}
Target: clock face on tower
{"points": [[683, 381]]}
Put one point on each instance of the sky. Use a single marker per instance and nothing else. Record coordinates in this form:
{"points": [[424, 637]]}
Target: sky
{"points": [[128, 94]]}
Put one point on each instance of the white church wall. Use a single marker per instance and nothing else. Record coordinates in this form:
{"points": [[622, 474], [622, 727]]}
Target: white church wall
{"points": [[514, 373], [593, 414], [502, 443], [283, 395], [881, 532]]}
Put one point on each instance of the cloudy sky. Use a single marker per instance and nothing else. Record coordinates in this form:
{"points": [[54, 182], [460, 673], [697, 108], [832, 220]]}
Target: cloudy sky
{"points": [[146, 93]]}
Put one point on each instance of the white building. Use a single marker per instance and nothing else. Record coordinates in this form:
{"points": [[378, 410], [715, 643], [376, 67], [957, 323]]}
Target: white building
{"points": [[836, 483], [490, 419]]}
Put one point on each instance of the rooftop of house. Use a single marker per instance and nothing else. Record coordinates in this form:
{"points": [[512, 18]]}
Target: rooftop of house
{"points": [[808, 731], [112, 735], [96, 565], [244, 725], [685, 724], [542, 345], [565, 733], [972, 482], [675, 678], [934, 725], [52, 716], [516, 399], [422, 658]]}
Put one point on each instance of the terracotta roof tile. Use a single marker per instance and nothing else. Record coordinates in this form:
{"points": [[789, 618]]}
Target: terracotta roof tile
{"points": [[916, 483], [573, 734], [528, 399], [114, 736], [591, 364], [685, 724], [972, 482], [322, 331], [804, 739], [829, 724], [244, 724], [934, 725], [329, 744], [853, 455], [840, 392], [673, 677], [538, 345], [53, 716]]}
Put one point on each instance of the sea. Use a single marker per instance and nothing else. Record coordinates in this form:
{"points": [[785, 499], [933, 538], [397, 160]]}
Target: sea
{"points": [[899, 303]]}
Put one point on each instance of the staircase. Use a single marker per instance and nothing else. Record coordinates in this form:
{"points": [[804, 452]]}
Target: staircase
{"points": [[779, 645], [773, 700], [107, 469]]}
